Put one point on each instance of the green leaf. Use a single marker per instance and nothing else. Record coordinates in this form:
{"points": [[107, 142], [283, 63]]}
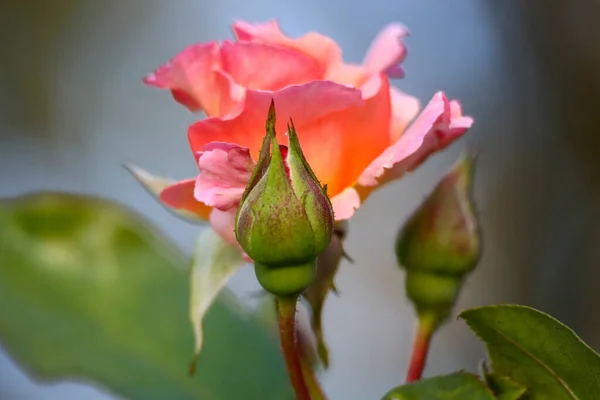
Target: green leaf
{"points": [[215, 262], [505, 388], [537, 351], [154, 185], [456, 386], [91, 291]]}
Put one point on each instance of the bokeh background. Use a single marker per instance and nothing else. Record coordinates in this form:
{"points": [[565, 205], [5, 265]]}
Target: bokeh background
{"points": [[73, 109]]}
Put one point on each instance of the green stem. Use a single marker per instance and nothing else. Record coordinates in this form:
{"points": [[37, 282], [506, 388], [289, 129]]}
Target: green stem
{"points": [[286, 307], [425, 330]]}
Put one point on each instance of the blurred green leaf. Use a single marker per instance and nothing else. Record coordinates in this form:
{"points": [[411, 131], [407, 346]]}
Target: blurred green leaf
{"points": [[215, 261], [456, 386], [537, 351], [90, 291]]}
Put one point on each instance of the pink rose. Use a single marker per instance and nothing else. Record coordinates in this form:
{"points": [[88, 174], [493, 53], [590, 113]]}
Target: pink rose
{"points": [[352, 125], [214, 77]]}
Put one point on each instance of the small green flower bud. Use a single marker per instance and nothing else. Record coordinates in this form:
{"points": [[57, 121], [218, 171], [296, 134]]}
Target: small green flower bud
{"points": [[285, 218], [440, 243]]}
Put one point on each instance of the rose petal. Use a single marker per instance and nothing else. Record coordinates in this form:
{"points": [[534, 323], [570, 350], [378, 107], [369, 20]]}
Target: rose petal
{"points": [[193, 80], [231, 95], [387, 52], [223, 222], [321, 48], [347, 74], [404, 109], [434, 129], [345, 203], [304, 103], [180, 196], [457, 118], [264, 67], [225, 170], [339, 146]]}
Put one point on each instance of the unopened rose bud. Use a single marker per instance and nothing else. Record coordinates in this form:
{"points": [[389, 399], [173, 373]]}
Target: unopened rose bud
{"points": [[440, 243], [285, 218]]}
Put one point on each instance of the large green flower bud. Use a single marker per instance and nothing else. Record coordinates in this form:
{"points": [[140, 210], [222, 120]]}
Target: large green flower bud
{"points": [[285, 219]]}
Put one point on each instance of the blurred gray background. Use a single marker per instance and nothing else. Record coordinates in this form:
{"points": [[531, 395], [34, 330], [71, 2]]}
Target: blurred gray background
{"points": [[73, 109]]}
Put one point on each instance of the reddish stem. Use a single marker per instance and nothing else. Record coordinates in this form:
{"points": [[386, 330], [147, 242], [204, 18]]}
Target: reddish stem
{"points": [[420, 350], [316, 393], [314, 388], [287, 330]]}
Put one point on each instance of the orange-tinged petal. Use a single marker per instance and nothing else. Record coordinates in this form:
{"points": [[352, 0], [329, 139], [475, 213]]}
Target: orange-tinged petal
{"points": [[321, 48], [347, 74], [435, 128], [264, 67], [193, 79], [387, 52], [304, 103], [181, 196], [228, 95], [339, 146]]}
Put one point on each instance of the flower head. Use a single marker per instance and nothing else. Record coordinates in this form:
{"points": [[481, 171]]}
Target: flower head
{"points": [[354, 128], [356, 131]]}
